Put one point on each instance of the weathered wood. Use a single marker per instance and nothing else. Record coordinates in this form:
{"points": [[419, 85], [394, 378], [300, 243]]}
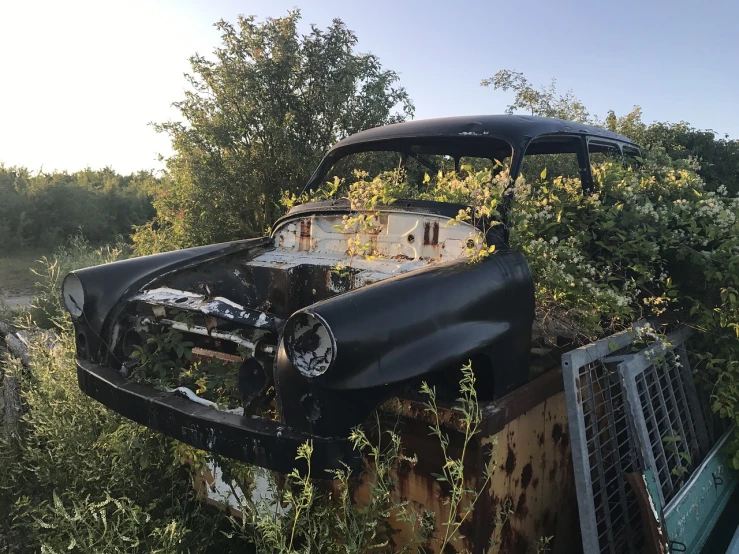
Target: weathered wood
{"points": [[14, 345], [656, 541]]}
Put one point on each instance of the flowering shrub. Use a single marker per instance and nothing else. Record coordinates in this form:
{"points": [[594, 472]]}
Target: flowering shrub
{"points": [[651, 241]]}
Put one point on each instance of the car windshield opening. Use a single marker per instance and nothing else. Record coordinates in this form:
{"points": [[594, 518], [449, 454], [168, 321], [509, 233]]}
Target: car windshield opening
{"points": [[415, 164]]}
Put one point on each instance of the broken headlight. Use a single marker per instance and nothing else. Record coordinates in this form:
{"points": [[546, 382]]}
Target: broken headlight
{"points": [[73, 295], [309, 343]]}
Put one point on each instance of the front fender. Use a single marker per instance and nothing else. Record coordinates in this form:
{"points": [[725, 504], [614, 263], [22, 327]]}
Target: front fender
{"points": [[405, 328], [107, 286]]}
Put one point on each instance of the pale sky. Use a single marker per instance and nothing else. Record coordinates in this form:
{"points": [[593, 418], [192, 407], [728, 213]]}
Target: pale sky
{"points": [[80, 80]]}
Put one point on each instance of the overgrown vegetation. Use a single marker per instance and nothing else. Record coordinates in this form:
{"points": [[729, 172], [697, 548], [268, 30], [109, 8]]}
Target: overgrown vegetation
{"points": [[80, 478], [40, 211]]}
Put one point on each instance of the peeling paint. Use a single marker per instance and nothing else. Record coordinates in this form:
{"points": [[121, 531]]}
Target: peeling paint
{"points": [[310, 346], [264, 495], [217, 307], [204, 402]]}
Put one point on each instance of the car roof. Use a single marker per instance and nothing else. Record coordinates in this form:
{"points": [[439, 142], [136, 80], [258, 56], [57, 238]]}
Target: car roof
{"points": [[511, 128]]}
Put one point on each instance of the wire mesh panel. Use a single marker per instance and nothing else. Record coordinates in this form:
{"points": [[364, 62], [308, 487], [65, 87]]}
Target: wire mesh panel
{"points": [[632, 407], [668, 415], [603, 445]]}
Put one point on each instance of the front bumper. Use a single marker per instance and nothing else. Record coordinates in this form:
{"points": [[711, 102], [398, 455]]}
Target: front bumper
{"points": [[253, 440]]}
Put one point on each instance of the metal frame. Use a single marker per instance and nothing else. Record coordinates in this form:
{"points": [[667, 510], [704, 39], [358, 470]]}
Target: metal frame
{"points": [[606, 505], [631, 411]]}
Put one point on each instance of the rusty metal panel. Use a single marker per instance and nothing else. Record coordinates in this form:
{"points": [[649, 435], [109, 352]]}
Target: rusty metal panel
{"points": [[531, 495], [532, 490]]}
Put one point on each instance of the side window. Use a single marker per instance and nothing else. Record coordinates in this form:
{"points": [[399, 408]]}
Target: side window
{"points": [[602, 152], [477, 164], [632, 157], [558, 156]]}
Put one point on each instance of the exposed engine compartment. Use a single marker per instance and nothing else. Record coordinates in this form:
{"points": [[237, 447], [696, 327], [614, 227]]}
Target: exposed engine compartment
{"points": [[309, 261], [234, 309]]}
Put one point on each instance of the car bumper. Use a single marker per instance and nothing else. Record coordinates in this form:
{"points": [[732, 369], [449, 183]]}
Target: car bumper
{"points": [[250, 439]]}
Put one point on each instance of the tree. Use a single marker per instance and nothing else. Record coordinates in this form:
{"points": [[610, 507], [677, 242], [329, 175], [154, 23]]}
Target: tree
{"points": [[256, 122], [544, 102]]}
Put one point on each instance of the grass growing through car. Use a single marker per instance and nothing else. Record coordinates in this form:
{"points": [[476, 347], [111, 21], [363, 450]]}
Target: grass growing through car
{"points": [[80, 478]]}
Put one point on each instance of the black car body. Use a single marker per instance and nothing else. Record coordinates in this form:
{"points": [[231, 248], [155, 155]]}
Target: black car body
{"points": [[332, 346]]}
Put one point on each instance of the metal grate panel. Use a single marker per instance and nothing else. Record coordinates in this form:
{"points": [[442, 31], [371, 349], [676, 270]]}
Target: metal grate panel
{"points": [[667, 412], [631, 408], [603, 445]]}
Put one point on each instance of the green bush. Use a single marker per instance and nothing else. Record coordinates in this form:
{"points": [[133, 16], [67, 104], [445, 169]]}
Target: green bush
{"points": [[77, 252], [77, 477]]}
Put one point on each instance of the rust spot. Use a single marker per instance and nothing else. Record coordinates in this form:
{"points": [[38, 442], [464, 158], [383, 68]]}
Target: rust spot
{"points": [[540, 439], [565, 441], [512, 541], [435, 237], [203, 354], [526, 475], [305, 229], [521, 510], [535, 482], [553, 473], [557, 433], [427, 233], [545, 517], [510, 462]]}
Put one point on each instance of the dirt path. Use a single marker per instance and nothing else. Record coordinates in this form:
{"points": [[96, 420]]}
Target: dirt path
{"points": [[14, 300], [16, 279]]}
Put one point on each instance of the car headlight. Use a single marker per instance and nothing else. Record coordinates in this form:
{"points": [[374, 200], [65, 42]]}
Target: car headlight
{"points": [[309, 343], [73, 295]]}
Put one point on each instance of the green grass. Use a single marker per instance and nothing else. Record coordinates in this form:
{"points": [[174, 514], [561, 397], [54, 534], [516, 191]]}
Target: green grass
{"points": [[16, 279], [15, 271]]}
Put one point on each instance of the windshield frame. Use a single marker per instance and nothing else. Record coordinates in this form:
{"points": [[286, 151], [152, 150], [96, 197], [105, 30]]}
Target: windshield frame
{"points": [[456, 147]]}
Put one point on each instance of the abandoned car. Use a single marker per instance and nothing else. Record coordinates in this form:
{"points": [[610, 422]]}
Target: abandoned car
{"points": [[324, 347]]}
